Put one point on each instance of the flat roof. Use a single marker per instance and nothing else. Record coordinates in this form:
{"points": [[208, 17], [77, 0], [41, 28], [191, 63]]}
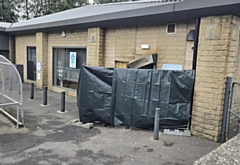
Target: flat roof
{"points": [[120, 14]]}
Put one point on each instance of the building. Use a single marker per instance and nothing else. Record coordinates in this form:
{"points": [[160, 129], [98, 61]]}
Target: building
{"points": [[52, 48], [4, 37]]}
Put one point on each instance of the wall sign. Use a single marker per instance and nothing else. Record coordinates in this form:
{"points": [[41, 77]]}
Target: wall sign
{"points": [[171, 67], [38, 76], [39, 67], [72, 59]]}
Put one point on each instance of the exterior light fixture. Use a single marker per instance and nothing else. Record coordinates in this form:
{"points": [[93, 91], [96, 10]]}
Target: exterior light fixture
{"points": [[63, 33], [190, 36]]}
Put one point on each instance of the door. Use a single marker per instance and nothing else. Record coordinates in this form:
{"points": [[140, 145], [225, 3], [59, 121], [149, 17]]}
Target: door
{"points": [[31, 63]]}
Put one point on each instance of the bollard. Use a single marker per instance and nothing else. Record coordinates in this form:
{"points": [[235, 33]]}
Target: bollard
{"points": [[156, 124], [45, 95], [62, 101], [32, 91]]}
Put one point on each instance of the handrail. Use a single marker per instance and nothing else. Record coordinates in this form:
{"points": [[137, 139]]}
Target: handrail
{"points": [[230, 109]]}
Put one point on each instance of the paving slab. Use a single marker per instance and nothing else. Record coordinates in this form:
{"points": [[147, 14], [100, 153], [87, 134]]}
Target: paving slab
{"points": [[49, 138]]}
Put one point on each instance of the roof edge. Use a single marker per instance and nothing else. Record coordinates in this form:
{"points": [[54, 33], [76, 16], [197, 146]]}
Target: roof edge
{"points": [[188, 9]]}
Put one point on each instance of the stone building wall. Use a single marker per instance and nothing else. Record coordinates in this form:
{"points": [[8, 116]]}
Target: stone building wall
{"points": [[22, 42], [217, 53], [124, 44], [218, 57]]}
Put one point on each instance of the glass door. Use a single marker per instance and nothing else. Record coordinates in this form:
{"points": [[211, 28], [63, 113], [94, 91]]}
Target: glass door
{"points": [[31, 63]]}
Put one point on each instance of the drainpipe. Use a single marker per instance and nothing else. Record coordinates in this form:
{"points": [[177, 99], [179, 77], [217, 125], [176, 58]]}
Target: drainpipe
{"points": [[194, 62], [13, 59], [195, 48]]}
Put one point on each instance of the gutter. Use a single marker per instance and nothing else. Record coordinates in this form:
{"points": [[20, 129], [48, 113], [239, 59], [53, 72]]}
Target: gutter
{"points": [[2, 30]]}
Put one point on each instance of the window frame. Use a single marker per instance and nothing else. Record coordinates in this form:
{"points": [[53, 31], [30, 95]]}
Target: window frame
{"points": [[54, 74], [175, 28], [35, 70]]}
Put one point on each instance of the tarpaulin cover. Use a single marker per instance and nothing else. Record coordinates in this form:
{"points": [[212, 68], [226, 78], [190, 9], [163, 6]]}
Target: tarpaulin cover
{"points": [[129, 96], [94, 94]]}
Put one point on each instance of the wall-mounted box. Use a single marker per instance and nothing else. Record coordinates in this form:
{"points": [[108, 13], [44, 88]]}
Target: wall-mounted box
{"points": [[145, 46]]}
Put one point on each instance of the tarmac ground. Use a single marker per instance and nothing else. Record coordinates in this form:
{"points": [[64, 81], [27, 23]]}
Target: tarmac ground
{"points": [[49, 139]]}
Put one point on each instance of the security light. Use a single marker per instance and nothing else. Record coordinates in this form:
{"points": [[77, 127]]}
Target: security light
{"points": [[190, 36], [63, 33]]}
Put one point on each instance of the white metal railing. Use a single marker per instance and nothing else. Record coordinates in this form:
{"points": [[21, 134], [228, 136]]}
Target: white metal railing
{"points": [[10, 77]]}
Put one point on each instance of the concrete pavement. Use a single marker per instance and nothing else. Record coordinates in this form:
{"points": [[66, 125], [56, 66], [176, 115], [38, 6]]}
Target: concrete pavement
{"points": [[48, 138], [226, 154]]}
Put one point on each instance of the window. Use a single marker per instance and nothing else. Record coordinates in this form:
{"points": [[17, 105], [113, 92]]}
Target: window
{"points": [[31, 63], [171, 28], [66, 66]]}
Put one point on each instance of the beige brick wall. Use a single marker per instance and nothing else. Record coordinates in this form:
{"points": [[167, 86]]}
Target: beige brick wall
{"points": [[119, 45], [189, 55], [104, 47], [95, 47], [171, 48], [235, 45], [216, 58], [124, 44], [42, 58], [22, 41], [45, 43]]}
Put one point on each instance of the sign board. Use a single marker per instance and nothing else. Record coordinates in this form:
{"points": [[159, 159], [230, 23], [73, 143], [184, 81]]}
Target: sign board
{"points": [[72, 59], [39, 67], [171, 67], [38, 76]]}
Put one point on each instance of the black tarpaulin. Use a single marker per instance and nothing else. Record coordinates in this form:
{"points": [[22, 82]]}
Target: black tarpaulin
{"points": [[129, 96], [94, 95], [131, 89]]}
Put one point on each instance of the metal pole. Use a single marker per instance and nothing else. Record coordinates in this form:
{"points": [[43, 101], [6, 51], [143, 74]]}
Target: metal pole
{"points": [[11, 117], [62, 101], [238, 124], [17, 116], [32, 91], [22, 114], [225, 110], [2, 81], [196, 39], [156, 124], [194, 65], [45, 95], [10, 84], [19, 89]]}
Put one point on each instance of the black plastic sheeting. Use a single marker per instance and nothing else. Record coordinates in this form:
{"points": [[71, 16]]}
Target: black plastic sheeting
{"points": [[95, 94], [129, 96]]}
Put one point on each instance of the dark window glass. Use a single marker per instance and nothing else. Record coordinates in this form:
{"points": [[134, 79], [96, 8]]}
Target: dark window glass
{"points": [[171, 28], [31, 63], [67, 64]]}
